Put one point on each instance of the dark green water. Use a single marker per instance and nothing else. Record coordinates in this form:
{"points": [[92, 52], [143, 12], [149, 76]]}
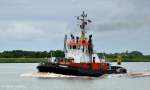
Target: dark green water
{"points": [[10, 79]]}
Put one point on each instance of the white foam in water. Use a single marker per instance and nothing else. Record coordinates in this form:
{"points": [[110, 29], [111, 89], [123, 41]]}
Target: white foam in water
{"points": [[139, 74], [116, 75], [109, 76], [53, 75], [46, 75], [130, 75]]}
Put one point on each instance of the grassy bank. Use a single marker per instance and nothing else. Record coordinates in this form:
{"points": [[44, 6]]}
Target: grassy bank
{"points": [[37, 60], [129, 60], [22, 60]]}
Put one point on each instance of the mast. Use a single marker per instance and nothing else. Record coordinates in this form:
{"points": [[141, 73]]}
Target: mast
{"points": [[79, 44], [83, 24]]}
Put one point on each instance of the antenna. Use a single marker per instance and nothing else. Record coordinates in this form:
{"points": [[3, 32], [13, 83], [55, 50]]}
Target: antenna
{"points": [[84, 23]]}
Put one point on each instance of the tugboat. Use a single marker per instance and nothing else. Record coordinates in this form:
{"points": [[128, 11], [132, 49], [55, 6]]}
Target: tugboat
{"points": [[80, 57]]}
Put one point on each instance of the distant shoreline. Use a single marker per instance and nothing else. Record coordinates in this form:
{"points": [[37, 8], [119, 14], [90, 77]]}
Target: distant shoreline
{"points": [[129, 60], [22, 60], [22, 56], [38, 60]]}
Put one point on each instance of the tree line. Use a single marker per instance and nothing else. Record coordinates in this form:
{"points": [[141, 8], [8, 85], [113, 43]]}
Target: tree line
{"points": [[59, 53], [31, 54], [126, 56]]}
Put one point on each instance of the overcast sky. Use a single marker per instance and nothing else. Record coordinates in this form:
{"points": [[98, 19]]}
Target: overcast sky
{"points": [[117, 25]]}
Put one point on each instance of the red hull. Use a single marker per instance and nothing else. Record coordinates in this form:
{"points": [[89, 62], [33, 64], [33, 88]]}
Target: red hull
{"points": [[94, 66]]}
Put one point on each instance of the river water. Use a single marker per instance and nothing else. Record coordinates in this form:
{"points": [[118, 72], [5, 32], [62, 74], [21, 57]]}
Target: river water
{"points": [[11, 79]]}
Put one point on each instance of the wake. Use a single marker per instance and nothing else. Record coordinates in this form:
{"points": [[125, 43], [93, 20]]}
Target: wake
{"points": [[54, 75]]}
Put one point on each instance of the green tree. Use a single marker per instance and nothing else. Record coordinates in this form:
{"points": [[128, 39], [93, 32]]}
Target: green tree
{"points": [[136, 53]]}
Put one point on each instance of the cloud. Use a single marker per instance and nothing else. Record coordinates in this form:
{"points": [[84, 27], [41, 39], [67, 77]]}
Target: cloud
{"points": [[32, 35], [31, 30], [34, 25], [122, 25]]}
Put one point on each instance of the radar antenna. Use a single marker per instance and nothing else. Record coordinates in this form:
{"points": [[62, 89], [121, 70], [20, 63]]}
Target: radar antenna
{"points": [[83, 24]]}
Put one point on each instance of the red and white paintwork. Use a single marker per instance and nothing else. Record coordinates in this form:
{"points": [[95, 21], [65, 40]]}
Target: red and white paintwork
{"points": [[79, 57]]}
